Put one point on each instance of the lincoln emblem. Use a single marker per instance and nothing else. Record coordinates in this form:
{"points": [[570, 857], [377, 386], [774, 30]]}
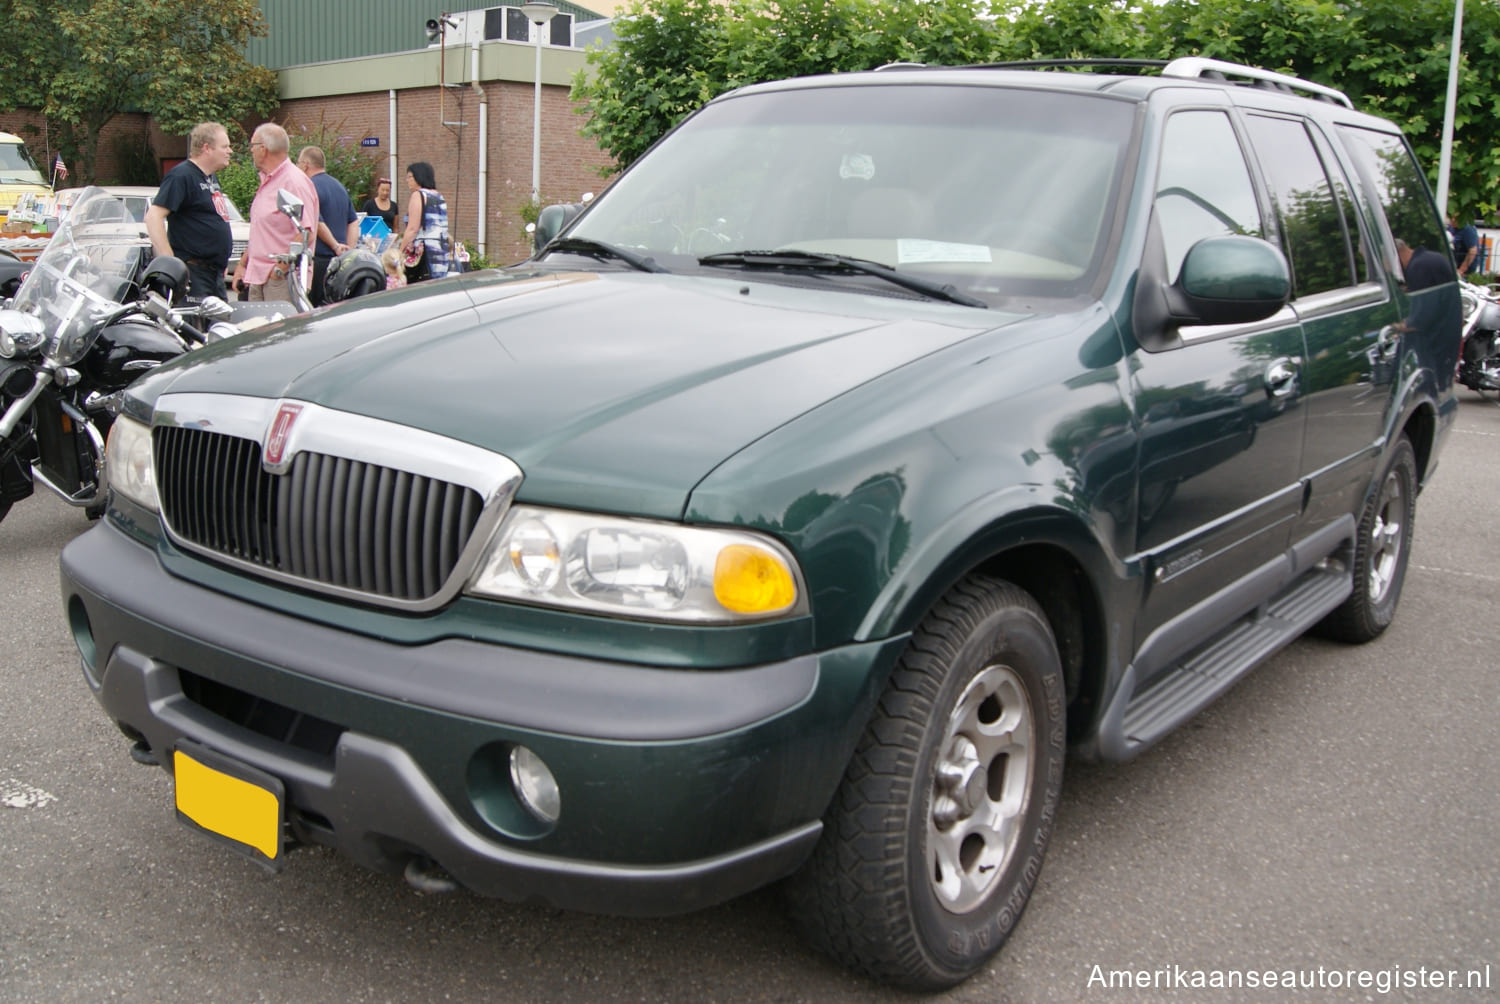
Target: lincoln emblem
{"points": [[281, 428]]}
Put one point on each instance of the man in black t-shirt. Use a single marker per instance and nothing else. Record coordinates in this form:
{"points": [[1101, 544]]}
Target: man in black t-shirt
{"points": [[1423, 268], [189, 217]]}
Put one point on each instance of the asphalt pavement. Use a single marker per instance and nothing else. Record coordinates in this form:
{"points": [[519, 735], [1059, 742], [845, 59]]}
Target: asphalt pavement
{"points": [[1334, 819]]}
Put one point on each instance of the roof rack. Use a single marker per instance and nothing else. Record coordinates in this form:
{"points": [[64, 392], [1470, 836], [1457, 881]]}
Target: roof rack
{"points": [[1039, 64], [1183, 68], [1199, 68]]}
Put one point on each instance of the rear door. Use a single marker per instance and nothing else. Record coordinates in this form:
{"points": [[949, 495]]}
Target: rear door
{"points": [[1350, 320]]}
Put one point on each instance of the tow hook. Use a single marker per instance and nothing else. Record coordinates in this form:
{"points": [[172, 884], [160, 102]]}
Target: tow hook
{"points": [[426, 875]]}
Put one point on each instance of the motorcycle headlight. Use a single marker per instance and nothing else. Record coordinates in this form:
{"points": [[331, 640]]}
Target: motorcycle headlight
{"points": [[638, 568], [21, 334], [127, 459]]}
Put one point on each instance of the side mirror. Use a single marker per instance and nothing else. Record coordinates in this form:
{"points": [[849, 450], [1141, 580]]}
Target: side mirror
{"points": [[1230, 280], [552, 220], [1224, 280]]}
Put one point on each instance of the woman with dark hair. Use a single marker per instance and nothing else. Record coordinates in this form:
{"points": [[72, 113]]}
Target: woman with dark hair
{"points": [[426, 234], [381, 204]]}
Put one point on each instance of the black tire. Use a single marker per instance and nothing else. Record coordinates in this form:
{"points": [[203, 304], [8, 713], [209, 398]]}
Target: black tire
{"points": [[1381, 551], [4, 509], [932, 845]]}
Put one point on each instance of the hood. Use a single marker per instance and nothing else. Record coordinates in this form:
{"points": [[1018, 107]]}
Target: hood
{"points": [[612, 391]]}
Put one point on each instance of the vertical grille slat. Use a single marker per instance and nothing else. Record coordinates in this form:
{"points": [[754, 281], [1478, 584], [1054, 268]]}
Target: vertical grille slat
{"points": [[328, 473], [349, 526], [330, 521], [380, 532], [366, 544], [413, 537], [223, 498], [396, 539], [295, 510]]}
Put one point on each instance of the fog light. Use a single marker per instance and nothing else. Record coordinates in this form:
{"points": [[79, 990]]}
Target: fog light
{"points": [[535, 786]]}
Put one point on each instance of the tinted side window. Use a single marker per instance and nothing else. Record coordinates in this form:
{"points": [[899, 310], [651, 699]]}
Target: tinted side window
{"points": [[1203, 188], [1312, 220], [1387, 165]]}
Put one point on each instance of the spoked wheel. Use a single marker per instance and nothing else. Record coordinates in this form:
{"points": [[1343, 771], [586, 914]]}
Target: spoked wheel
{"points": [[980, 788], [936, 837], [1381, 552]]}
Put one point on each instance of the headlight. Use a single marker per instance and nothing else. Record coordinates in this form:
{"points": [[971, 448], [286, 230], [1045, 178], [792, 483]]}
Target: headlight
{"points": [[20, 334], [638, 568], [127, 458]]}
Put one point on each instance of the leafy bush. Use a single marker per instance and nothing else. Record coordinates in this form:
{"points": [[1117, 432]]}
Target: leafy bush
{"points": [[346, 159], [239, 181]]}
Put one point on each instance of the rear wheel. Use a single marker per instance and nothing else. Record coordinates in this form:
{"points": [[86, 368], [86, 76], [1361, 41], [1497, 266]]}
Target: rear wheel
{"points": [[935, 839], [1381, 552]]}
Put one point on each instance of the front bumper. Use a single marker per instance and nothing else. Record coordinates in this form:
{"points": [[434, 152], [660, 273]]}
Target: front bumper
{"points": [[680, 788]]}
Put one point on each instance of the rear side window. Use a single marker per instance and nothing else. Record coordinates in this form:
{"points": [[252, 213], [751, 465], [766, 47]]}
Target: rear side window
{"points": [[1389, 169], [1314, 224], [1203, 188]]}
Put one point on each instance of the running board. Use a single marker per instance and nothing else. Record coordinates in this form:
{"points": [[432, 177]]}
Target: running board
{"points": [[1194, 682]]}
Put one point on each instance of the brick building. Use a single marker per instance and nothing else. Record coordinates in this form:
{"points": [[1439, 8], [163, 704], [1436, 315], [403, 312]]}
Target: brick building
{"points": [[467, 110], [464, 107]]}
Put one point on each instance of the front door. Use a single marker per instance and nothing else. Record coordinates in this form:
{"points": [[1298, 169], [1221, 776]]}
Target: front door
{"points": [[1219, 409]]}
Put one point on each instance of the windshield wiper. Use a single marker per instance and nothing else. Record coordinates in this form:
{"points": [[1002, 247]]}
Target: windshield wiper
{"points": [[819, 261], [600, 249]]}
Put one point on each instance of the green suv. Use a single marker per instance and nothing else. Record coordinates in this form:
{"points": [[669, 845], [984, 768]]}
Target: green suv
{"points": [[873, 443]]}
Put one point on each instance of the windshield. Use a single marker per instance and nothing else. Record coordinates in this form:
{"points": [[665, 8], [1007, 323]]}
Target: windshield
{"points": [[997, 191], [83, 274], [17, 167]]}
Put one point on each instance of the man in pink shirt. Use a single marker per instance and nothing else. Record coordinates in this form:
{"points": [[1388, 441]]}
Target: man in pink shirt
{"points": [[271, 232]]}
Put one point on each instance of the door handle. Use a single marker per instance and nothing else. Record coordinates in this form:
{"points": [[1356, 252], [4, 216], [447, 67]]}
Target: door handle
{"points": [[1281, 378]]}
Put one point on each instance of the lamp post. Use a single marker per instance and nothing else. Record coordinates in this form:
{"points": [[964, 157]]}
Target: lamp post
{"points": [[538, 13]]}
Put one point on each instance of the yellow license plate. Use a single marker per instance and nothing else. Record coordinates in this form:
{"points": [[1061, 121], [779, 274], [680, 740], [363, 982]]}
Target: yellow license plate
{"points": [[233, 802]]}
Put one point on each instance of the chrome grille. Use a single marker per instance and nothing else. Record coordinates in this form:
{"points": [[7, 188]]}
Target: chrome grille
{"points": [[328, 521]]}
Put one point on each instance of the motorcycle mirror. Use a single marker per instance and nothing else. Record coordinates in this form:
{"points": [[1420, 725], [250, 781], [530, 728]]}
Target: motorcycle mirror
{"points": [[289, 204], [214, 308]]}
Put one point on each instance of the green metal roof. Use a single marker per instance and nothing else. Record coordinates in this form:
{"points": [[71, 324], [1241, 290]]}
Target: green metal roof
{"points": [[315, 31]]}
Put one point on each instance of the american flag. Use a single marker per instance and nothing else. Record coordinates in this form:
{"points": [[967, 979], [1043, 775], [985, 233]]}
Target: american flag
{"points": [[59, 169]]}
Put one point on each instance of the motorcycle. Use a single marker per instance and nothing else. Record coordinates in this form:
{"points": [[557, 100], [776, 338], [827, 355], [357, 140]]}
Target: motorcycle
{"points": [[356, 272], [93, 313], [1479, 359]]}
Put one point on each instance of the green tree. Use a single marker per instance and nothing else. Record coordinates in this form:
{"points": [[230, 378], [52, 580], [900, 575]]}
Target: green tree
{"points": [[82, 62], [1390, 56], [672, 56]]}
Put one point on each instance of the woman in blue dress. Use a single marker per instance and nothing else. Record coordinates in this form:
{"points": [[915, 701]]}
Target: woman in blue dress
{"points": [[426, 231]]}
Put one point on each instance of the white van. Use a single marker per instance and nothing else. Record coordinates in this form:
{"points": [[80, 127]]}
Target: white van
{"points": [[18, 172]]}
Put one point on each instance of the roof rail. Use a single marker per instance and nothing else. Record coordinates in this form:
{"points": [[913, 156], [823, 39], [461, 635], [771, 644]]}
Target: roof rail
{"points": [[1040, 64], [1199, 68]]}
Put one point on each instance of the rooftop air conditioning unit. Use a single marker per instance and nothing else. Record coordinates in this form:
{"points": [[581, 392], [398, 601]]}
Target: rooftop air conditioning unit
{"points": [[512, 25]]}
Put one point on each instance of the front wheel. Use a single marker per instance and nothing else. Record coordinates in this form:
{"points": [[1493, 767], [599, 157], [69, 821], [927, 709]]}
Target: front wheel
{"points": [[936, 836], [1381, 552]]}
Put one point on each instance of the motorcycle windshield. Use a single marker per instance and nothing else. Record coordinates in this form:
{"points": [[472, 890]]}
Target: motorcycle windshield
{"points": [[83, 275]]}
